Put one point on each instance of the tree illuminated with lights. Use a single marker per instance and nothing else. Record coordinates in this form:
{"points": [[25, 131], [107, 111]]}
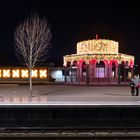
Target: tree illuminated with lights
{"points": [[32, 38]]}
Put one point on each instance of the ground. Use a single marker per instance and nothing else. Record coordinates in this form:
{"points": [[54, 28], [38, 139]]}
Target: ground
{"points": [[67, 94]]}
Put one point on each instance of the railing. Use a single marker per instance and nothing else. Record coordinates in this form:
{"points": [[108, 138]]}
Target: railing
{"points": [[91, 76]]}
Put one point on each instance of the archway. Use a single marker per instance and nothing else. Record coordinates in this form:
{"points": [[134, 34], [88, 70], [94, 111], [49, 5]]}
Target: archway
{"points": [[75, 63], [84, 68], [113, 73], [68, 64], [100, 69], [92, 68]]}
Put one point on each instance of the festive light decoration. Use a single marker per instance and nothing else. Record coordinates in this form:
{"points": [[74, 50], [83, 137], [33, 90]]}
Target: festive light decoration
{"points": [[100, 46], [43, 73], [16, 73], [34, 73], [24, 73], [6, 73], [98, 57], [99, 50]]}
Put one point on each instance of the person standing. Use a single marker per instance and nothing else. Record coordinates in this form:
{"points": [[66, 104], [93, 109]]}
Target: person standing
{"points": [[136, 82], [132, 85]]}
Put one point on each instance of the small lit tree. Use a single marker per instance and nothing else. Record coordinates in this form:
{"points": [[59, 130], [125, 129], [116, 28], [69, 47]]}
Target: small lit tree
{"points": [[32, 39]]}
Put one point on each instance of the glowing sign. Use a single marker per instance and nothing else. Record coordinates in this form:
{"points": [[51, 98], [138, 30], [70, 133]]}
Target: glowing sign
{"points": [[6, 73], [16, 73], [24, 73], [43, 73], [34, 73]]}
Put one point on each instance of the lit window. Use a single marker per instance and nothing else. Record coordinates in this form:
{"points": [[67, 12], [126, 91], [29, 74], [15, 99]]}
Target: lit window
{"points": [[6, 73], [24, 73], [16, 73], [43, 73], [34, 74]]}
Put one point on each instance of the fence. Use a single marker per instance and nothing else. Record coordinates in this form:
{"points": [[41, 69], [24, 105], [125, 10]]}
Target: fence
{"points": [[92, 75]]}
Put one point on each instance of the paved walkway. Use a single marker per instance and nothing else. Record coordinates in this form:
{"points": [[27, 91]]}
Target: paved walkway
{"points": [[66, 94]]}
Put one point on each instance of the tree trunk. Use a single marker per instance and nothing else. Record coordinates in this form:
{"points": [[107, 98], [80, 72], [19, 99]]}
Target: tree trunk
{"points": [[30, 80]]}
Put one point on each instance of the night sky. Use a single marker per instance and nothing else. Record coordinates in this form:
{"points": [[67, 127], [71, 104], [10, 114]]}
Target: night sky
{"points": [[72, 21]]}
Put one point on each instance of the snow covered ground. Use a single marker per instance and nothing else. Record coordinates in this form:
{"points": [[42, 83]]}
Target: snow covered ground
{"points": [[66, 95]]}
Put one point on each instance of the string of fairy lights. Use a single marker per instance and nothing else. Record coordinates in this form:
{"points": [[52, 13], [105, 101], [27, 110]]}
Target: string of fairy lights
{"points": [[100, 46], [98, 49]]}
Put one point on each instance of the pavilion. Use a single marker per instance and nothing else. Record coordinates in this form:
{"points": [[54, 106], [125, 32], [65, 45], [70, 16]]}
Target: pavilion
{"points": [[102, 59]]}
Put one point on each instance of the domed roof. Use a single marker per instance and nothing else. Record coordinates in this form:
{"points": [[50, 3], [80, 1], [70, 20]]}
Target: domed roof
{"points": [[97, 46]]}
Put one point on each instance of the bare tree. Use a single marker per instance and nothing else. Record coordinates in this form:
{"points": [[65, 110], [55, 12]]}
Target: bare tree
{"points": [[32, 38]]}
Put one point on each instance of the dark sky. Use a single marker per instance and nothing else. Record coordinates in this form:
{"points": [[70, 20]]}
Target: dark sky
{"points": [[72, 21]]}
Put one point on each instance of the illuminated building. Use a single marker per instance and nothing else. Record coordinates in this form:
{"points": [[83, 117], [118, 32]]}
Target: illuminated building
{"points": [[101, 57]]}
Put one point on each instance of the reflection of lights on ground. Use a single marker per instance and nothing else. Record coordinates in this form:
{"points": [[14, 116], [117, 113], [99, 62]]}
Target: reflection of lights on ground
{"points": [[0, 73], [43, 73], [34, 74], [6, 73], [15, 73], [24, 73]]}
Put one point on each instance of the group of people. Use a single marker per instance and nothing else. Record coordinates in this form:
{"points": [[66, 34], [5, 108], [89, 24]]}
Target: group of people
{"points": [[134, 84]]}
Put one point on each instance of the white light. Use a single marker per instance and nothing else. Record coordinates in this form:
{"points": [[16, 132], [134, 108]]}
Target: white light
{"points": [[34, 74], [24, 73], [100, 72], [100, 46], [113, 73], [15, 73], [43, 73], [6, 73], [56, 74]]}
